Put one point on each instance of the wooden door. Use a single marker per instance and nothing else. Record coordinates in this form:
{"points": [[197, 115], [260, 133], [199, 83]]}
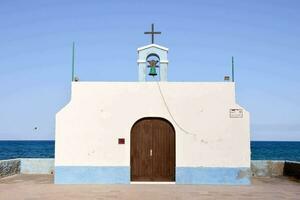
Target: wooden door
{"points": [[140, 147], [152, 150]]}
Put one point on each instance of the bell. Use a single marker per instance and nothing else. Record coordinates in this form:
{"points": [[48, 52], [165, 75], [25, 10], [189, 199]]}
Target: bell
{"points": [[152, 71]]}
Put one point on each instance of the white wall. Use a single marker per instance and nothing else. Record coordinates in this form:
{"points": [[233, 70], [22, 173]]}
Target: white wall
{"points": [[88, 128]]}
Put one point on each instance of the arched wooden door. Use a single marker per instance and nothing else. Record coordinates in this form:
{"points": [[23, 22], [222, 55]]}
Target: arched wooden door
{"points": [[152, 150]]}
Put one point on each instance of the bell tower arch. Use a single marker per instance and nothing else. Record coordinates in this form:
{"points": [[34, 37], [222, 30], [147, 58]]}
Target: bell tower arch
{"points": [[148, 65]]}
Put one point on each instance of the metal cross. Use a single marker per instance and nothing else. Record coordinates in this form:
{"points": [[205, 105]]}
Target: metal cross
{"points": [[152, 32]]}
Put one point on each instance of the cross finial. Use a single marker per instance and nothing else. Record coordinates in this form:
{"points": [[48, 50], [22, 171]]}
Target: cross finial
{"points": [[152, 32]]}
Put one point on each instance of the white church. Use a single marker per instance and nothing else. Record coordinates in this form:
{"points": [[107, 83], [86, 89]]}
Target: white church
{"points": [[152, 131]]}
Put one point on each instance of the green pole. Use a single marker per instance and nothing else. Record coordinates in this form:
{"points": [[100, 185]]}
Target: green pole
{"points": [[232, 68], [73, 57]]}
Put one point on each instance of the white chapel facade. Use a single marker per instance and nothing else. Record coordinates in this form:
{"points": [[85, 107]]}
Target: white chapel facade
{"points": [[145, 131]]}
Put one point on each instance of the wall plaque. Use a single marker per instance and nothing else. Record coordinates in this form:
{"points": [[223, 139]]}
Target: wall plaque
{"points": [[121, 141], [236, 113]]}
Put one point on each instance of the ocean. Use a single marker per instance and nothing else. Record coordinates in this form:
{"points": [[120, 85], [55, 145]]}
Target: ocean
{"points": [[45, 149]]}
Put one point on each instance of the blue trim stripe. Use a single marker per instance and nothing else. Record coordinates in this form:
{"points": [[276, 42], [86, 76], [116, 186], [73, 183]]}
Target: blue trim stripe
{"points": [[91, 175], [213, 175], [121, 175]]}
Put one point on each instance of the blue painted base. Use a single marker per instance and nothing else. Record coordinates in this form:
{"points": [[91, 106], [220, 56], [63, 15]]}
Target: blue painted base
{"points": [[91, 175], [213, 175], [121, 175]]}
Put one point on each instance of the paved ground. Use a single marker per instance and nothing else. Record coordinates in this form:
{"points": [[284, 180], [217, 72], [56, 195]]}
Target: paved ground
{"points": [[36, 187]]}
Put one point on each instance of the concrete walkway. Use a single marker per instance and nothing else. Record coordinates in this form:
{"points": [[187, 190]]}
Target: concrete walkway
{"points": [[36, 187]]}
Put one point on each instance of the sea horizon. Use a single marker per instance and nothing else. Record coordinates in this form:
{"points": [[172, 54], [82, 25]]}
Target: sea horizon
{"points": [[260, 150], [250, 140]]}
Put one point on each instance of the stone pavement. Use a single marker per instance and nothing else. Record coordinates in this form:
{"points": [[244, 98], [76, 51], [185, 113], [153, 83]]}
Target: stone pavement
{"points": [[36, 187]]}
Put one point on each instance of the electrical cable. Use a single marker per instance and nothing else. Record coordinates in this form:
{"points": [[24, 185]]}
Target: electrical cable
{"points": [[168, 109]]}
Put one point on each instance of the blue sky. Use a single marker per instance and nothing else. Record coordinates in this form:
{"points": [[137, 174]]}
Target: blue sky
{"points": [[35, 55]]}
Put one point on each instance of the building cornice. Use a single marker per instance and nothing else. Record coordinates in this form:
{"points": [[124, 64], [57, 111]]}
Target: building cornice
{"points": [[152, 45]]}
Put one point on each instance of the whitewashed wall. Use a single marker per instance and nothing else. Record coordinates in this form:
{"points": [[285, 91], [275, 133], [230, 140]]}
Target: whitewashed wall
{"points": [[88, 128]]}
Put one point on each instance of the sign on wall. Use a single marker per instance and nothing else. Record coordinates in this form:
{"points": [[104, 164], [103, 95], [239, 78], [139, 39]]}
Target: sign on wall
{"points": [[236, 113], [121, 140]]}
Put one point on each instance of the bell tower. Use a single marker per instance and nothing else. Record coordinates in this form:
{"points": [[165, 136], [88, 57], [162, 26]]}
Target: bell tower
{"points": [[152, 60]]}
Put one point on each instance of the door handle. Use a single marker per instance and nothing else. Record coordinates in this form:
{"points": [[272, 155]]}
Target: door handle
{"points": [[150, 152]]}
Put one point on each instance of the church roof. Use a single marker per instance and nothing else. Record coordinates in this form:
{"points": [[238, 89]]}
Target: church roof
{"points": [[152, 45]]}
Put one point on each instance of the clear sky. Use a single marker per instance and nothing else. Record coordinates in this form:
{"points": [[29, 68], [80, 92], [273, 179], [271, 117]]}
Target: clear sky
{"points": [[202, 35]]}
